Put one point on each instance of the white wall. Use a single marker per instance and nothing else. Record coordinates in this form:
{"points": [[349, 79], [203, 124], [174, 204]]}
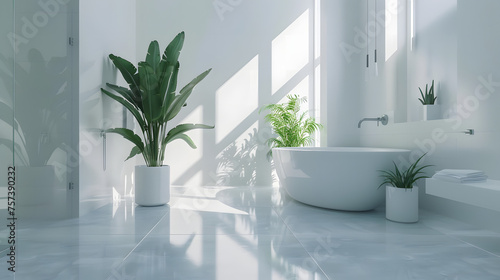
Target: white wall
{"points": [[105, 27], [345, 55], [477, 103], [259, 52], [433, 56]]}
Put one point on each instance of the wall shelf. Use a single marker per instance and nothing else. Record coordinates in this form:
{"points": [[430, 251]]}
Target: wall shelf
{"points": [[484, 194]]}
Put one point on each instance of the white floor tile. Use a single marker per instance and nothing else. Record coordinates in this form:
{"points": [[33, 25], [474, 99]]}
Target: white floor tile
{"points": [[249, 233], [221, 257]]}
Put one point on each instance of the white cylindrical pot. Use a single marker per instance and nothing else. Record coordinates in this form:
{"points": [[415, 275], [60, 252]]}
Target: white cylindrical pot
{"points": [[401, 204], [432, 112], [152, 185]]}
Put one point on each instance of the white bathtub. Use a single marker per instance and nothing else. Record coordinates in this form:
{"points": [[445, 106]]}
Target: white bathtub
{"points": [[335, 178]]}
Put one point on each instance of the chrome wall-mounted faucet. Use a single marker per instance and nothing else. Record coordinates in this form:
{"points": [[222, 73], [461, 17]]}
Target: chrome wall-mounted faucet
{"points": [[384, 119]]}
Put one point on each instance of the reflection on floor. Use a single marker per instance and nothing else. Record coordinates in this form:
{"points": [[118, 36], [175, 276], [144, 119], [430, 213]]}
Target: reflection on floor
{"points": [[250, 233]]}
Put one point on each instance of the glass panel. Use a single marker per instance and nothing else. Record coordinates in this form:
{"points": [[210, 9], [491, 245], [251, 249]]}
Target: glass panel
{"points": [[43, 71], [6, 113]]}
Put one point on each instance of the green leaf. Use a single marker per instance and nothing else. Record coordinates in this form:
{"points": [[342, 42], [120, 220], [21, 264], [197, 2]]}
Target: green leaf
{"points": [[153, 57], [128, 95], [428, 97], [165, 73], [151, 100], [294, 129], [185, 92], [423, 97], [137, 115], [129, 135], [184, 137], [173, 50], [172, 87], [128, 71], [135, 151], [404, 179], [169, 67], [182, 128]]}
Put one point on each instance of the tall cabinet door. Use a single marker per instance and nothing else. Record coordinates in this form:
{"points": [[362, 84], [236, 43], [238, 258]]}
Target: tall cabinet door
{"points": [[45, 155]]}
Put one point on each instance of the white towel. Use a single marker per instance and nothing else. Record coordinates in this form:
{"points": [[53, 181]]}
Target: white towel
{"points": [[461, 172], [460, 175]]}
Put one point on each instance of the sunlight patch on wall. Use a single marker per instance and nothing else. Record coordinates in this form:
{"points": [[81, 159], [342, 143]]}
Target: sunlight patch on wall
{"points": [[290, 51], [391, 29], [237, 99], [317, 29], [317, 101]]}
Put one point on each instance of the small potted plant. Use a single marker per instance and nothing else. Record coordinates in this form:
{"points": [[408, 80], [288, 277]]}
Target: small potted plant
{"points": [[428, 100], [293, 128], [402, 193]]}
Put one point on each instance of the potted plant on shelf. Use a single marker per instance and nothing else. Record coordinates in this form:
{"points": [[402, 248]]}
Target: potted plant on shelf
{"points": [[402, 193], [428, 99], [293, 129], [153, 100]]}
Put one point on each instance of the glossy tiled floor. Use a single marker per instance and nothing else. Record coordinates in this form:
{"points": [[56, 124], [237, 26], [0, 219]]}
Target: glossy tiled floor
{"points": [[250, 233]]}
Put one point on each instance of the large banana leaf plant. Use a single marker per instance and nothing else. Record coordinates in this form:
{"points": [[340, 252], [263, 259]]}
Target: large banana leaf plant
{"points": [[153, 100]]}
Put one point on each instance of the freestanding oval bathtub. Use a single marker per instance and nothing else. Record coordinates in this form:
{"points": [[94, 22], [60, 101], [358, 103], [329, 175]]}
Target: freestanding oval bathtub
{"points": [[340, 178]]}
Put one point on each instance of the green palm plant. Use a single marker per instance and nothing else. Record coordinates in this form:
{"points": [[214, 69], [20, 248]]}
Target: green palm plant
{"points": [[293, 129], [153, 100], [428, 98], [404, 179]]}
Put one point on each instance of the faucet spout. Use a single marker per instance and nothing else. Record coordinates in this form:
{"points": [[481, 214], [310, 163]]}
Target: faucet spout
{"points": [[366, 119], [384, 119]]}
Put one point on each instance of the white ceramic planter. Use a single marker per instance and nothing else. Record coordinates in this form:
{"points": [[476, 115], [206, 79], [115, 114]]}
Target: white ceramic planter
{"points": [[401, 204], [432, 112], [152, 185]]}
